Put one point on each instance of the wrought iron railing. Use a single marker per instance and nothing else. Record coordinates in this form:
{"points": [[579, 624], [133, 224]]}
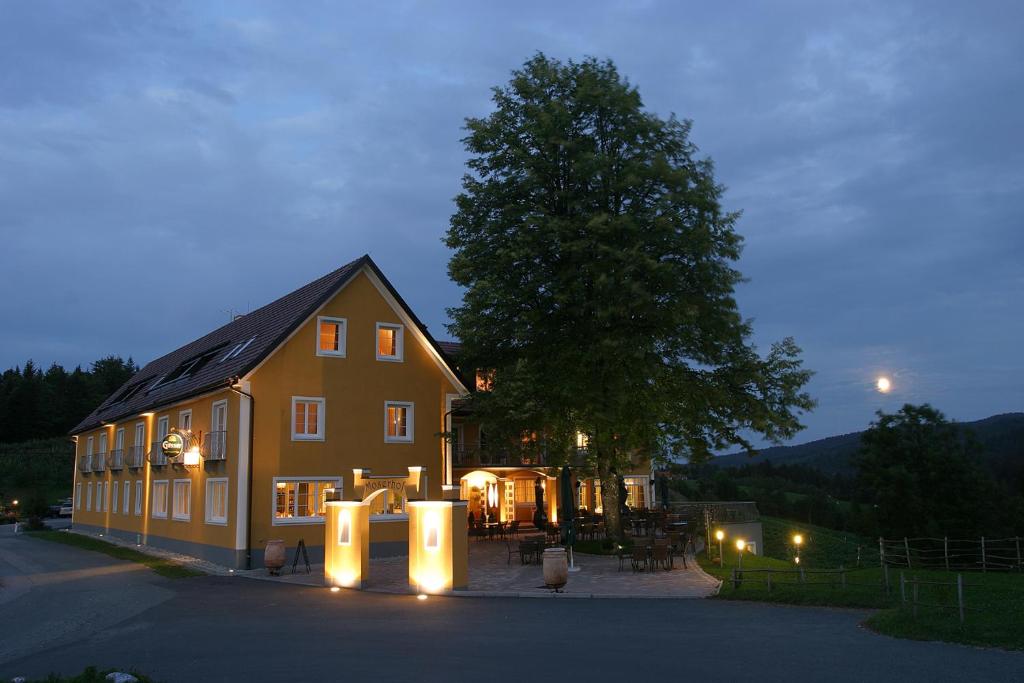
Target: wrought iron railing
{"points": [[215, 446], [85, 463], [156, 455], [99, 462], [476, 455], [115, 459], [136, 456]]}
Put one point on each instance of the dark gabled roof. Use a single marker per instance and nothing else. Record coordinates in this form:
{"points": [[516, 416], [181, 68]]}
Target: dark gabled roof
{"points": [[229, 352], [452, 348]]}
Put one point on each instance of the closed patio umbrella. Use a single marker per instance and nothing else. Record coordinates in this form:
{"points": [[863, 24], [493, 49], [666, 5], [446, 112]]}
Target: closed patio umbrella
{"points": [[540, 518], [568, 512]]}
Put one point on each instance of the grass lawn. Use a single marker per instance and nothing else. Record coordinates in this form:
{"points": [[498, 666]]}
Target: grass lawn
{"points": [[822, 547], [159, 565], [995, 601]]}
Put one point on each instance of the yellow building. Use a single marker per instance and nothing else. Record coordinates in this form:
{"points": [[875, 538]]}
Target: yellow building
{"points": [[235, 438]]}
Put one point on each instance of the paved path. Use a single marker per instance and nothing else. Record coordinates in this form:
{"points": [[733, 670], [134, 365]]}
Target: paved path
{"points": [[230, 629], [492, 574], [56, 594]]}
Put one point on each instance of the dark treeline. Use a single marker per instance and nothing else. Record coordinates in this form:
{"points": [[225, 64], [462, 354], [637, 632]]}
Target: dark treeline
{"points": [[38, 404], [916, 474]]}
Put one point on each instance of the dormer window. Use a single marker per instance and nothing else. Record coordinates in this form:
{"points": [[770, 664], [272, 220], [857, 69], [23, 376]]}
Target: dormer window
{"points": [[389, 342], [331, 334]]}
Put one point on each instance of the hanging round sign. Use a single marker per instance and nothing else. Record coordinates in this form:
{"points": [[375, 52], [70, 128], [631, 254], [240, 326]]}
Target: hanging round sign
{"points": [[173, 445]]}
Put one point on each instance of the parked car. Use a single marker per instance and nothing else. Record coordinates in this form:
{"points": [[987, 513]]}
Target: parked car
{"points": [[65, 508]]}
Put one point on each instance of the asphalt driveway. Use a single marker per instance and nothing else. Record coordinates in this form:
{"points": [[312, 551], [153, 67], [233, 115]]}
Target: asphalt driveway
{"points": [[68, 608]]}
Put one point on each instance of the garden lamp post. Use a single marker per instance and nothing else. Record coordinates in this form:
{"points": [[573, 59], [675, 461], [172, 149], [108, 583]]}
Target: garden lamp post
{"points": [[720, 535], [740, 545], [798, 540]]}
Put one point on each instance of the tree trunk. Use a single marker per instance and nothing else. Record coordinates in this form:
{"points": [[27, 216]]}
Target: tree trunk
{"points": [[610, 501]]}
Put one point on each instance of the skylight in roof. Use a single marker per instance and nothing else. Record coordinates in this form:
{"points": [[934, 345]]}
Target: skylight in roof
{"points": [[239, 347], [191, 366]]}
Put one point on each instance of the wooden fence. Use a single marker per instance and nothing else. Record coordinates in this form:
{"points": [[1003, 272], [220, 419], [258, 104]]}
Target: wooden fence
{"points": [[840, 578], [982, 554], [915, 601]]}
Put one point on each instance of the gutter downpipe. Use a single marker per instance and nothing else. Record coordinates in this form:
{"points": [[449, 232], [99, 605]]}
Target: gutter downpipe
{"points": [[248, 522]]}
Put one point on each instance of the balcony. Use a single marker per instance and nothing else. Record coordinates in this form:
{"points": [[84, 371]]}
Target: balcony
{"points": [[477, 455], [99, 462], [215, 446], [156, 456], [135, 457], [115, 459], [85, 463]]}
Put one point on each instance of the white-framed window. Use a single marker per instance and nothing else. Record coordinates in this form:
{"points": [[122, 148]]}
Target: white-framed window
{"points": [[99, 496], [330, 336], [182, 508], [138, 498], [140, 444], [217, 501], [388, 504], [217, 439], [119, 447], [302, 500], [127, 496], [163, 428], [88, 497], [103, 444], [78, 496], [159, 493], [89, 446], [390, 344], [185, 419], [115, 488], [398, 421], [307, 418]]}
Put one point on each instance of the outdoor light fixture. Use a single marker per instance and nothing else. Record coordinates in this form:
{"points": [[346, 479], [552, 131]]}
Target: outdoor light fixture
{"points": [[720, 535], [335, 589], [191, 457], [421, 596], [798, 540], [740, 545]]}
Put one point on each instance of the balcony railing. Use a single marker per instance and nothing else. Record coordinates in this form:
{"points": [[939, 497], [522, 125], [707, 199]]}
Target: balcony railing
{"points": [[99, 462], [156, 456], [475, 455], [85, 463], [215, 446], [135, 457], [115, 459]]}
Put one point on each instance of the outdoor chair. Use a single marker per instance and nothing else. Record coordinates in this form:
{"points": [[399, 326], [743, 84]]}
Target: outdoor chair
{"points": [[639, 558], [513, 529], [660, 555]]}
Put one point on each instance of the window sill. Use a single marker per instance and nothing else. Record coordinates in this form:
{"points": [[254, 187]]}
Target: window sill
{"points": [[390, 518], [391, 359], [394, 440], [313, 439], [286, 521], [213, 523], [330, 354], [181, 519]]}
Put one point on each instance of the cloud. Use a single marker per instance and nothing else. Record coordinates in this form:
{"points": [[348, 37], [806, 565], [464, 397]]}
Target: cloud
{"points": [[166, 164]]}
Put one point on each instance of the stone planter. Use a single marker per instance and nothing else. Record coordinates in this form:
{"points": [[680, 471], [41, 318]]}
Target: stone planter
{"points": [[274, 556], [556, 568]]}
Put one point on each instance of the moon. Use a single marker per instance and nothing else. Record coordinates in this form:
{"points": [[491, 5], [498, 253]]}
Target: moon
{"points": [[883, 385]]}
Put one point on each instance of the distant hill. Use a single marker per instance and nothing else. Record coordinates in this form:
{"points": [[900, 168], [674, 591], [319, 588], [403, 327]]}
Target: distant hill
{"points": [[1001, 435]]}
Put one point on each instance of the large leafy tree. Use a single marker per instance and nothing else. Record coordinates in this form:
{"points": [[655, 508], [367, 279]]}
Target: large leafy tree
{"points": [[923, 474], [597, 262]]}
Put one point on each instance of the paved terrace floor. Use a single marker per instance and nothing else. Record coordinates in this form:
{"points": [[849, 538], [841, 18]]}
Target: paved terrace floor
{"points": [[491, 573]]}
